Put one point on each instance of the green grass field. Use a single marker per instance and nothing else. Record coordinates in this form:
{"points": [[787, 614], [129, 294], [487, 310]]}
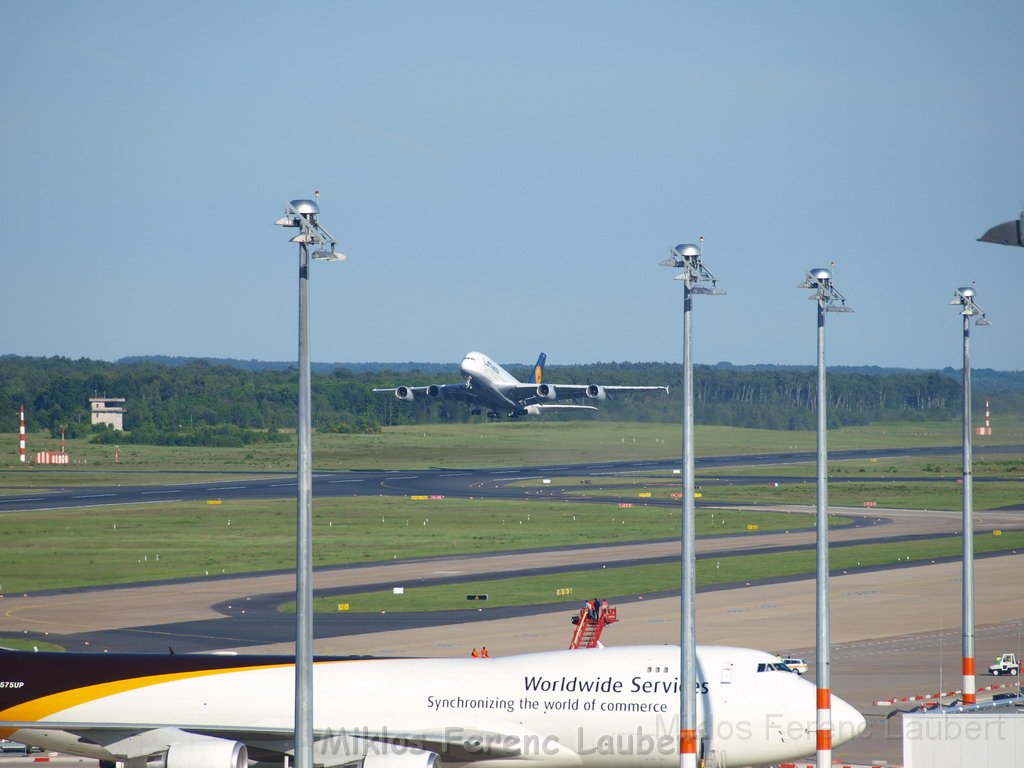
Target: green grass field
{"points": [[107, 545], [28, 644], [896, 494], [138, 543], [646, 579], [842, 492], [984, 465], [517, 443]]}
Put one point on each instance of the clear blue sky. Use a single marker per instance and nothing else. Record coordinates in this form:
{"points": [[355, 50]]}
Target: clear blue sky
{"points": [[507, 176]]}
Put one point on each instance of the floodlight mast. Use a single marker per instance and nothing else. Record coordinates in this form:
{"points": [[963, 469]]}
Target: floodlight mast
{"points": [[964, 298], [303, 215], [687, 257], [829, 300]]}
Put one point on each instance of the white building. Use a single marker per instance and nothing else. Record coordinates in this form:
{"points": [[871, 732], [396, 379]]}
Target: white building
{"points": [[105, 411]]}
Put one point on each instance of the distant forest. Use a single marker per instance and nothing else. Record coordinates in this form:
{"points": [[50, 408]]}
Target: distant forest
{"points": [[193, 402]]}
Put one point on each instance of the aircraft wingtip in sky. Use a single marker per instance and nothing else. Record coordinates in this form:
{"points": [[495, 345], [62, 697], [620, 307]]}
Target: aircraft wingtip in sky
{"points": [[488, 385]]}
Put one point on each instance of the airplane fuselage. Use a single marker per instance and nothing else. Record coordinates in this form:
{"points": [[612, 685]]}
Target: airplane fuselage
{"points": [[594, 708], [490, 382]]}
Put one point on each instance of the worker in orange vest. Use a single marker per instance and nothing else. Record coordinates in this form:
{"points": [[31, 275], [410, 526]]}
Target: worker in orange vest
{"points": [[475, 654], [484, 654]]}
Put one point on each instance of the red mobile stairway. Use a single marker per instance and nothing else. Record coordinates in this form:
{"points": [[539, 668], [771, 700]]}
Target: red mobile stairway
{"points": [[592, 619]]}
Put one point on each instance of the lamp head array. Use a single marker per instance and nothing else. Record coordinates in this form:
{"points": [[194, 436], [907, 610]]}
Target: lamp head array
{"points": [[964, 297], [687, 257], [819, 280], [303, 215]]}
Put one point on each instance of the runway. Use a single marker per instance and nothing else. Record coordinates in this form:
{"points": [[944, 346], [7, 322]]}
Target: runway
{"points": [[461, 483]]}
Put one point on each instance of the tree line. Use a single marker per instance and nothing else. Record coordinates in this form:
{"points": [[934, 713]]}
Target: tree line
{"points": [[204, 403]]}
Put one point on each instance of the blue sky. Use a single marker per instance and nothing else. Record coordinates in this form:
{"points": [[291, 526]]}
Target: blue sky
{"points": [[506, 177]]}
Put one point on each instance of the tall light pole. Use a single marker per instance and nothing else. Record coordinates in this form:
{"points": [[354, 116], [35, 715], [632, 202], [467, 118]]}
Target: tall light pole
{"points": [[964, 297], [829, 300], [694, 277], [303, 215]]}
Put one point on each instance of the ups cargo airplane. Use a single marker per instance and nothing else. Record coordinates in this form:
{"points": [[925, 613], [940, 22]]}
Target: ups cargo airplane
{"points": [[558, 709], [488, 385]]}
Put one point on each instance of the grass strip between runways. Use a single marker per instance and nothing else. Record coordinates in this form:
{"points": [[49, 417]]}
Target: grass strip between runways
{"points": [[646, 579]]}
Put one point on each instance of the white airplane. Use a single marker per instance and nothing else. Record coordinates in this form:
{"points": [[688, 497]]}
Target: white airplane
{"points": [[558, 709], [490, 386]]}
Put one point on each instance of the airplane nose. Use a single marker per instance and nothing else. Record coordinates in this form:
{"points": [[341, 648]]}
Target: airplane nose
{"points": [[847, 722]]}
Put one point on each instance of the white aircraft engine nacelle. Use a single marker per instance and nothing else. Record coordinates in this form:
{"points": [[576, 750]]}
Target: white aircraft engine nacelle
{"points": [[203, 753], [404, 393], [393, 756], [433, 391], [596, 392], [545, 391]]}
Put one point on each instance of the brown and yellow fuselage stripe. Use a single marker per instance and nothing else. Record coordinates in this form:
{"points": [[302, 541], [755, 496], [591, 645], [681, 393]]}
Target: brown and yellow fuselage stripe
{"points": [[49, 683]]}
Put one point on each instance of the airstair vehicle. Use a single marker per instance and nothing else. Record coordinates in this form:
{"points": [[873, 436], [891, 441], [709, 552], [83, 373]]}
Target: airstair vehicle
{"points": [[590, 623]]}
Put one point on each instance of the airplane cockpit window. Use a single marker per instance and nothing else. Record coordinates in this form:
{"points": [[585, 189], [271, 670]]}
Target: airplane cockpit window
{"points": [[773, 667]]}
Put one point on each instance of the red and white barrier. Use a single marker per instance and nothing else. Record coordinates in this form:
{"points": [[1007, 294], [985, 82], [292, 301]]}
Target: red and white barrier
{"points": [[53, 457], [987, 429], [21, 445], [947, 694]]}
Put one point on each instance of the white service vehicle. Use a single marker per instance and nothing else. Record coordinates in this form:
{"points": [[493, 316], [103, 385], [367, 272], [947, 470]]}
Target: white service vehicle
{"points": [[795, 665], [1005, 665]]}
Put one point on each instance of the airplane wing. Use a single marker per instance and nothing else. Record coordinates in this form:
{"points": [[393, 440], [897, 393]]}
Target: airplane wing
{"points": [[562, 407], [433, 391], [540, 393], [331, 747]]}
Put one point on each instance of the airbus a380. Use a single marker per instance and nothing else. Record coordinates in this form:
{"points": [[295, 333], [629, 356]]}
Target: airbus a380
{"points": [[583, 708], [490, 386]]}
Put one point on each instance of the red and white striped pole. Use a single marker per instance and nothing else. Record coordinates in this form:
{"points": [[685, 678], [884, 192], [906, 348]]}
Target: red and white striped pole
{"points": [[823, 740], [21, 444]]}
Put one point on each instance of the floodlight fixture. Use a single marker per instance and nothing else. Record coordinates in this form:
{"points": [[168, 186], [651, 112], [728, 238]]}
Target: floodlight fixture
{"points": [[1007, 233], [819, 280], [964, 297], [687, 257], [329, 255]]}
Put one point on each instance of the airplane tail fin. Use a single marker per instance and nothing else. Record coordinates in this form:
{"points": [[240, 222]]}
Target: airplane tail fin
{"points": [[538, 369]]}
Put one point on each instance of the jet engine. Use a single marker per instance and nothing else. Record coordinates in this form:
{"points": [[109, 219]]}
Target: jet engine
{"points": [[396, 756], [596, 392], [546, 391], [404, 393], [433, 391], [201, 753]]}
